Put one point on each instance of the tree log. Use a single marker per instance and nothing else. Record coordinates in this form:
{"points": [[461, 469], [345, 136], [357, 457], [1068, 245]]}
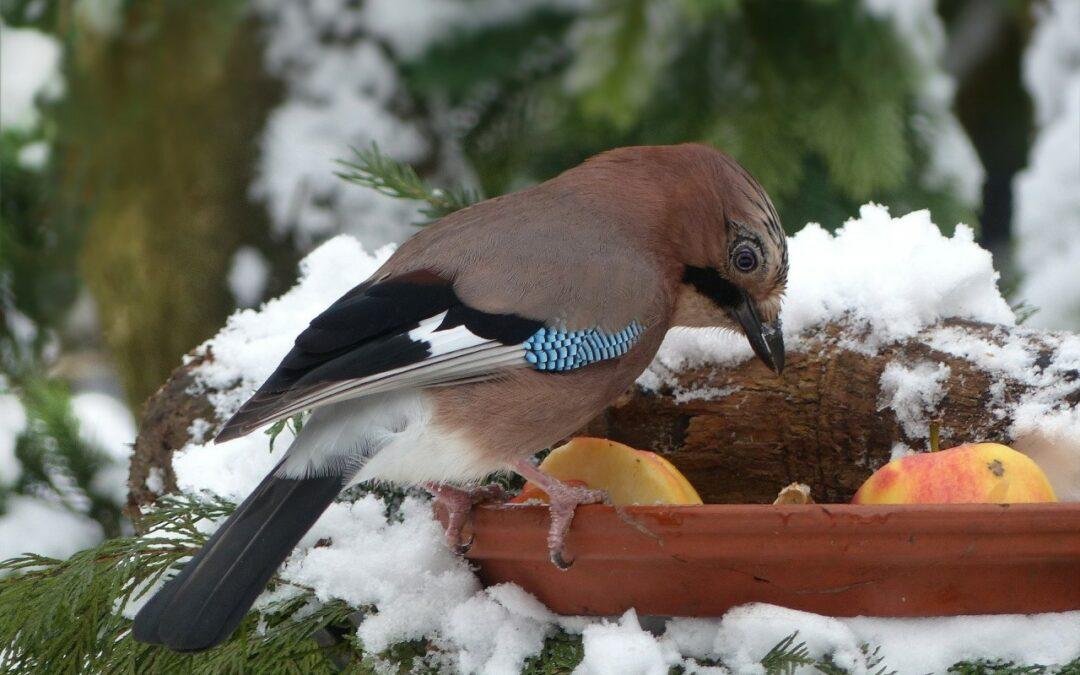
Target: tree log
{"points": [[741, 434]]}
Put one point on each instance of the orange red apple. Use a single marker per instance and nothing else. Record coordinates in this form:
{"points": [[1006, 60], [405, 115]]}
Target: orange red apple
{"points": [[628, 476], [979, 473]]}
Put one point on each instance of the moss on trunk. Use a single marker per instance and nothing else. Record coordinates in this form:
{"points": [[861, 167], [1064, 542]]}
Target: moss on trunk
{"points": [[164, 119]]}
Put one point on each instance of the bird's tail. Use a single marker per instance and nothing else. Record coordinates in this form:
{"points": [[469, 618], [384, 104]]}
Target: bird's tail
{"points": [[202, 605]]}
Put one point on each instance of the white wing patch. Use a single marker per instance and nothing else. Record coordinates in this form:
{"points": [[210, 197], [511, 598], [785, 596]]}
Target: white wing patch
{"points": [[456, 354]]}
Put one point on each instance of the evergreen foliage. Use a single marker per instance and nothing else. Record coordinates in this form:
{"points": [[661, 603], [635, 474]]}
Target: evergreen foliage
{"points": [[817, 99], [372, 169], [982, 667], [63, 616], [39, 242], [56, 463]]}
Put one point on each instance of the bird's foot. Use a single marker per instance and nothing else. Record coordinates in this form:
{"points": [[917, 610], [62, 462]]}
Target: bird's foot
{"points": [[563, 501], [459, 503]]}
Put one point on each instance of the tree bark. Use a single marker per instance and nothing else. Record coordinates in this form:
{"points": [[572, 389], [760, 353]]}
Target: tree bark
{"points": [[824, 422], [162, 147]]}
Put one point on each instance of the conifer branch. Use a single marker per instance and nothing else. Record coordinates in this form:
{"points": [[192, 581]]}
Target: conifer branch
{"points": [[787, 656], [65, 615], [373, 169]]}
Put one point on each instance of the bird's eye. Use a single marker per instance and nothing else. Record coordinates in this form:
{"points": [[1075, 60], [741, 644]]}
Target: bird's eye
{"points": [[745, 259]]}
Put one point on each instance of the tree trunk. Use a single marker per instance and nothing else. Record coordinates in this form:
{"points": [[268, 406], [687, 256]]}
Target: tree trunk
{"points": [[162, 140], [741, 434], [160, 151]]}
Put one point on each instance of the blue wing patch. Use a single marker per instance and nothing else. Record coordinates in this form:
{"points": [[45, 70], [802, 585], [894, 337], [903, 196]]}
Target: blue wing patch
{"points": [[558, 350]]}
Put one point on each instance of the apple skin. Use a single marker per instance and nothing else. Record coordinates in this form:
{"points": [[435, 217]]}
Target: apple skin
{"points": [[978, 473], [532, 492], [629, 476]]}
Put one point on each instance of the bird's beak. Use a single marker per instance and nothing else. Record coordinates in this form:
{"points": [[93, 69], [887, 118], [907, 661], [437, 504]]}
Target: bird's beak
{"points": [[766, 339]]}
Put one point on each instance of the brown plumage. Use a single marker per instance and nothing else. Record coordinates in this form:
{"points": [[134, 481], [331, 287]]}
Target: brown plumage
{"points": [[485, 338]]}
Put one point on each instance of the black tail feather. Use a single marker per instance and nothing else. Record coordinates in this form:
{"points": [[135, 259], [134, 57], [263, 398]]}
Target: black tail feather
{"points": [[206, 601]]}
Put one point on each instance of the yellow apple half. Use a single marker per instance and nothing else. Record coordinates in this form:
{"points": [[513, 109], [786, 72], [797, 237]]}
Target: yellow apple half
{"points": [[980, 473], [628, 476]]}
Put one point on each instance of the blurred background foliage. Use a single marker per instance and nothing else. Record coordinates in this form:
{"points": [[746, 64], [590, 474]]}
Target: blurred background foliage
{"points": [[824, 132], [178, 156]]}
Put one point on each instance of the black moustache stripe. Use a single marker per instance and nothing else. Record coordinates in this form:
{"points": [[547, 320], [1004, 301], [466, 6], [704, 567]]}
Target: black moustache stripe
{"points": [[709, 283]]}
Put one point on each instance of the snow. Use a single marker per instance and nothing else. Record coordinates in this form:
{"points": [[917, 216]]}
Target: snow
{"points": [[623, 648], [248, 274], [341, 91], [33, 156], [1047, 211], [363, 567], [155, 480], [30, 524], [252, 343], [928, 645], [1052, 57], [891, 276], [412, 28], [888, 277], [747, 633], [33, 525], [495, 630], [702, 394], [29, 72], [913, 394], [106, 424], [12, 424], [343, 88]]}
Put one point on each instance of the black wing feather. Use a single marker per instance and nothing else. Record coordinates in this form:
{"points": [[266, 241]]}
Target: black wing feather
{"points": [[364, 333], [508, 329]]}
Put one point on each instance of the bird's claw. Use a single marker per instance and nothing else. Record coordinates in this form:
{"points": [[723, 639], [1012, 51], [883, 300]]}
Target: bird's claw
{"points": [[460, 547], [459, 503], [558, 561], [564, 500]]}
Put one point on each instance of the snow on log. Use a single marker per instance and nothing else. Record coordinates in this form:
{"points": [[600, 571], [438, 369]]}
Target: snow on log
{"points": [[836, 414], [740, 433], [890, 325]]}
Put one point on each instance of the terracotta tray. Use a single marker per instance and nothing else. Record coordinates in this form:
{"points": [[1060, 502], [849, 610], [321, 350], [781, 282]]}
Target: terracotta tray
{"points": [[841, 560]]}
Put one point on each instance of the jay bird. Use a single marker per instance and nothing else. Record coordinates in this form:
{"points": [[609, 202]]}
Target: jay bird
{"points": [[485, 338]]}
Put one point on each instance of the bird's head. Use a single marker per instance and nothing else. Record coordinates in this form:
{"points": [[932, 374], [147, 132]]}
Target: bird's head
{"points": [[733, 253]]}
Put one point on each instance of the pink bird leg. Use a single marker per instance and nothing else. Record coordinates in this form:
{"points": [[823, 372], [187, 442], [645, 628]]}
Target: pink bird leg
{"points": [[563, 500], [459, 503]]}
